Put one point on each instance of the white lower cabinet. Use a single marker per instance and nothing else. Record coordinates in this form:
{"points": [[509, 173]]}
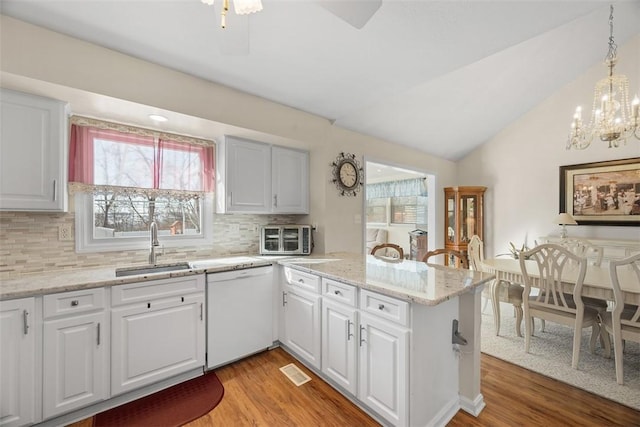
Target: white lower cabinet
{"points": [[157, 331], [302, 305], [302, 324], [340, 344], [384, 366], [76, 345], [365, 348], [17, 362]]}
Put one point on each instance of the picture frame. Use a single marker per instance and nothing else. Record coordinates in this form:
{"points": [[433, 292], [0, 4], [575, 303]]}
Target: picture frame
{"points": [[602, 193]]}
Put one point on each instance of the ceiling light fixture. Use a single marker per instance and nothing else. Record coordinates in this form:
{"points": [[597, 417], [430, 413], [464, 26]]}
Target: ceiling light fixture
{"points": [[158, 118], [242, 7], [613, 118]]}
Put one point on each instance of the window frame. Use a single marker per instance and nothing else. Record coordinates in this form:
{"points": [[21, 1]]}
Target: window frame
{"points": [[389, 211], [87, 243]]}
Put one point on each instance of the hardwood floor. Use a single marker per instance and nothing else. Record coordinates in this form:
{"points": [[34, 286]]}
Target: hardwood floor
{"points": [[258, 394]]}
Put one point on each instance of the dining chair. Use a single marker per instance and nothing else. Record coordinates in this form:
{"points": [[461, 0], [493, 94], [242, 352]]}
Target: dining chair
{"points": [[624, 321], [584, 248], [513, 294], [594, 255], [451, 253], [550, 302], [390, 250]]}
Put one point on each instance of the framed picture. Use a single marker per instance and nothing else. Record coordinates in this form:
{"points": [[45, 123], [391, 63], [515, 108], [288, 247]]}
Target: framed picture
{"points": [[602, 193]]}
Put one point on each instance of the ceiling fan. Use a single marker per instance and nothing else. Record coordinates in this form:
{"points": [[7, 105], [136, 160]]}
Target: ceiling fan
{"points": [[354, 12]]}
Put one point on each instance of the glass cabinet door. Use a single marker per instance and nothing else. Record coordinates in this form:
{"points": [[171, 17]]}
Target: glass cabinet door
{"points": [[468, 221], [463, 218], [451, 219]]}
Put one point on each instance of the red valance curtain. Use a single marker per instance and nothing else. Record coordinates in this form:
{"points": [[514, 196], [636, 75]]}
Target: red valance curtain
{"points": [[100, 158]]}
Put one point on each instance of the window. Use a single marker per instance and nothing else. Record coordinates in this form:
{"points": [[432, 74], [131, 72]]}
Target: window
{"points": [[409, 210], [398, 202], [125, 180], [377, 211]]}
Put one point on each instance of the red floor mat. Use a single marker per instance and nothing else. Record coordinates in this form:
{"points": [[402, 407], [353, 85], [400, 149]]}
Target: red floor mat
{"points": [[171, 407]]}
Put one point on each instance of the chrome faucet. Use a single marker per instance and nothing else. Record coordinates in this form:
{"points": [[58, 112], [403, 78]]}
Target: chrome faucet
{"points": [[153, 242]]}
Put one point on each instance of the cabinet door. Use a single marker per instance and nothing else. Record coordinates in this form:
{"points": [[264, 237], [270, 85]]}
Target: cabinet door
{"points": [[156, 340], [302, 325], [383, 382], [32, 153], [76, 365], [339, 344], [290, 185], [248, 176], [17, 362]]}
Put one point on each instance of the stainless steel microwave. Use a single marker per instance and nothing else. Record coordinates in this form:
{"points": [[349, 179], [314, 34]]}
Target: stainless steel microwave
{"points": [[286, 240]]}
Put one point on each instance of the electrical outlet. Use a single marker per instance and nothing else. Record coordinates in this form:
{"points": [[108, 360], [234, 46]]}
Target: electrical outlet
{"points": [[65, 232]]}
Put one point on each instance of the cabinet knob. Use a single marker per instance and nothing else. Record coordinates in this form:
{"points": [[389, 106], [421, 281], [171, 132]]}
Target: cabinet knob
{"points": [[301, 280], [337, 292], [74, 302], [380, 306]]}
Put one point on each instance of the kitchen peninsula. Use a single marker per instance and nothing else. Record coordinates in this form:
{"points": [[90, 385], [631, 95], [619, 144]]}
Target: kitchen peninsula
{"points": [[380, 331], [387, 336]]}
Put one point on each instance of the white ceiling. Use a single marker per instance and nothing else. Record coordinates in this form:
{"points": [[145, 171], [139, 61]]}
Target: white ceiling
{"points": [[440, 76]]}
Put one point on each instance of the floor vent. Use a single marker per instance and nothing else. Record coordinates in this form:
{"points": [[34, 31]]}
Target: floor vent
{"points": [[295, 374]]}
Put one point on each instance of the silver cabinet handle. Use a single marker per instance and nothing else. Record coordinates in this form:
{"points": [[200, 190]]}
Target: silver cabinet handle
{"points": [[361, 338], [25, 322], [284, 298], [74, 303], [98, 333], [55, 190], [275, 200], [349, 334], [380, 306], [201, 312]]}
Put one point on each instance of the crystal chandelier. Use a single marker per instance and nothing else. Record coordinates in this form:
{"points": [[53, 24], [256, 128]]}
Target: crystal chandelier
{"points": [[613, 118], [242, 7]]}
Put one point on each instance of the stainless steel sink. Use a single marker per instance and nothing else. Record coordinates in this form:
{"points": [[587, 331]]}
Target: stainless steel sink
{"points": [[150, 269]]}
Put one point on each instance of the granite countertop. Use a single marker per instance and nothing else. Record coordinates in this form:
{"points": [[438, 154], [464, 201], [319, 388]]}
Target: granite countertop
{"points": [[35, 284], [413, 281]]}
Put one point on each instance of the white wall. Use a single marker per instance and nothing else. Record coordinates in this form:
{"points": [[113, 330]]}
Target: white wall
{"points": [[38, 55], [520, 165]]}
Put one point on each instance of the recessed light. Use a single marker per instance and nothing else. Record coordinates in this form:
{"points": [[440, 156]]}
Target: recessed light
{"points": [[157, 118]]}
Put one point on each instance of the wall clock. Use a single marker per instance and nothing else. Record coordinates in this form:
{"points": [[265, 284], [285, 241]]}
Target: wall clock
{"points": [[347, 174]]}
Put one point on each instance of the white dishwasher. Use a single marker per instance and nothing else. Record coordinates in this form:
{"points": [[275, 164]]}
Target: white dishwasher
{"points": [[239, 314]]}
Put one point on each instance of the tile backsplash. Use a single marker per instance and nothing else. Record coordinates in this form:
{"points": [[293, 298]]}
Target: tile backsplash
{"points": [[29, 243]]}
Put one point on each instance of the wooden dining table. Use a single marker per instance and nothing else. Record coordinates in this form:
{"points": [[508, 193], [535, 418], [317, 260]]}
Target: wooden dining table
{"points": [[596, 284]]}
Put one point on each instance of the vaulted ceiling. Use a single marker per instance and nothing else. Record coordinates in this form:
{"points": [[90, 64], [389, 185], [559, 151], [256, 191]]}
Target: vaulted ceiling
{"points": [[440, 76]]}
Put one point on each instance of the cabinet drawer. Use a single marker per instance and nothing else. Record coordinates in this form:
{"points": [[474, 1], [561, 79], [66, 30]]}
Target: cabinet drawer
{"points": [[155, 289], [339, 291], [385, 307], [302, 280], [73, 302]]}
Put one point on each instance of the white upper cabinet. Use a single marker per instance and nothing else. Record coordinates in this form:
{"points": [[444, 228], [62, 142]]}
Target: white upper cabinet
{"points": [[33, 153], [254, 177], [290, 180], [248, 177]]}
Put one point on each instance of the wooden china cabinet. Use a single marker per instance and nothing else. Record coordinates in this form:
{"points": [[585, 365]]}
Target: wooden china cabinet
{"points": [[464, 217]]}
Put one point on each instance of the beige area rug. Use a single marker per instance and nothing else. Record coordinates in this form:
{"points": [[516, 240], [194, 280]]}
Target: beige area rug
{"points": [[550, 355]]}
